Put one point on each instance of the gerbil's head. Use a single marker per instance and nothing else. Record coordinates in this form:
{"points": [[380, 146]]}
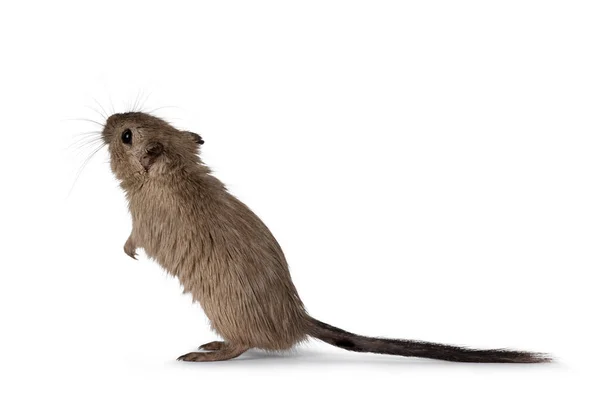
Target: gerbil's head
{"points": [[143, 146]]}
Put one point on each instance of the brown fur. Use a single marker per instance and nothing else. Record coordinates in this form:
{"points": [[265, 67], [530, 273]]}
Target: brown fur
{"points": [[222, 253]]}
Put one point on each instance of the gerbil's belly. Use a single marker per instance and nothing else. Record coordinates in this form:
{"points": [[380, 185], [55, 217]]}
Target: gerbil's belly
{"points": [[246, 303]]}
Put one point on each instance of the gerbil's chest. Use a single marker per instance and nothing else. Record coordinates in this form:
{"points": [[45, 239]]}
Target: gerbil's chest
{"points": [[162, 223]]}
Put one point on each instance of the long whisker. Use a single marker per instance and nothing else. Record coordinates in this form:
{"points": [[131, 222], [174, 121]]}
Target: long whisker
{"points": [[143, 103], [88, 133], [78, 146], [137, 99], [160, 108], [85, 138], [86, 120], [132, 105], [97, 112], [112, 105], [102, 108], [85, 163]]}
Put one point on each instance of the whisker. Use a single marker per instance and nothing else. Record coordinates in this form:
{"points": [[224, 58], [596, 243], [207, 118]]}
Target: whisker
{"points": [[132, 104], [88, 134], [102, 108], [86, 120], [112, 105], [143, 103], [160, 108], [96, 111], [84, 142], [83, 138], [137, 99], [85, 163]]}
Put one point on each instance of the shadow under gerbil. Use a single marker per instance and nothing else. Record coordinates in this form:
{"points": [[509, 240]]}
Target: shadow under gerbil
{"points": [[304, 357]]}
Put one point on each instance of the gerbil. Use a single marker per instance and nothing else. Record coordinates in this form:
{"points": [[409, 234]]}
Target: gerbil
{"points": [[222, 253]]}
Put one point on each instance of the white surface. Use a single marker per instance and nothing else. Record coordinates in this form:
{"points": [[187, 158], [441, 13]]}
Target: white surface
{"points": [[431, 170]]}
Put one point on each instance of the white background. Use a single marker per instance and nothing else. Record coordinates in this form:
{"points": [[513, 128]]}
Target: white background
{"points": [[431, 170]]}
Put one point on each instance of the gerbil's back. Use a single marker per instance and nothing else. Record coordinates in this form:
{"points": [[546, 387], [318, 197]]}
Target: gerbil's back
{"points": [[224, 256]]}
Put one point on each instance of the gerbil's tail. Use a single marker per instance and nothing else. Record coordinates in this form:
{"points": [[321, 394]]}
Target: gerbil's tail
{"points": [[409, 348]]}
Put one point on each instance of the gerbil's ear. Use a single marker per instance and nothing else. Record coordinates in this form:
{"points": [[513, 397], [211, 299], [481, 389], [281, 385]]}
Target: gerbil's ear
{"points": [[197, 138], [151, 153]]}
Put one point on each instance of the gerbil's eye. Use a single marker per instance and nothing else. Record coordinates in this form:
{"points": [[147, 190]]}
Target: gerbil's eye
{"points": [[126, 136]]}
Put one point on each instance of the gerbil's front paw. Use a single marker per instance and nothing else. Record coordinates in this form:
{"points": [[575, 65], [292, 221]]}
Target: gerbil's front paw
{"points": [[130, 248]]}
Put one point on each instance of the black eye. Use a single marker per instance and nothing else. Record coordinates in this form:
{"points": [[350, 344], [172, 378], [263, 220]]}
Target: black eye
{"points": [[126, 136]]}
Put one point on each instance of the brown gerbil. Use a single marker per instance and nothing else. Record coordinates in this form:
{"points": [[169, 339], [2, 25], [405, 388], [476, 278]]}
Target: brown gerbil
{"points": [[222, 253]]}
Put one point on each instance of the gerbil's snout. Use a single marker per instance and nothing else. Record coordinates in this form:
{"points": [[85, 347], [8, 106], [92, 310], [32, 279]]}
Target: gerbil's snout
{"points": [[152, 151], [140, 142]]}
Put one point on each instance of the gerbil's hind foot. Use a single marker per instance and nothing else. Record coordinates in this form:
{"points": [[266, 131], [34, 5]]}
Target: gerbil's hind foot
{"points": [[226, 352], [212, 346]]}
